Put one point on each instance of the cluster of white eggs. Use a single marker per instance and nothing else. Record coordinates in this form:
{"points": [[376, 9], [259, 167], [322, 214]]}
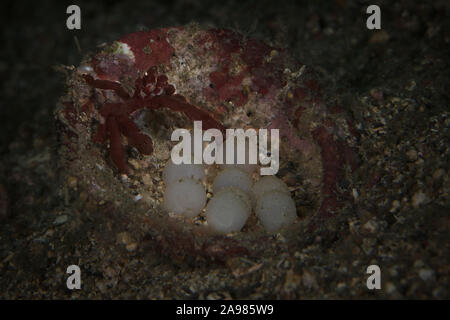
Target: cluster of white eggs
{"points": [[235, 197]]}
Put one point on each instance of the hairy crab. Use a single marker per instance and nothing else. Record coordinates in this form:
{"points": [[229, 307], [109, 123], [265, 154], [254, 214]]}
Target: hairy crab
{"points": [[151, 91]]}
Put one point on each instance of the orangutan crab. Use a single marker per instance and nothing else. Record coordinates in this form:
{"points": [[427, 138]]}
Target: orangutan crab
{"points": [[226, 80], [152, 91]]}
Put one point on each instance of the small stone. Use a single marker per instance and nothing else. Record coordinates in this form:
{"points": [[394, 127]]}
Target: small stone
{"points": [[134, 163], [390, 288], [418, 264], [162, 152], [213, 296], [147, 179], [419, 198], [72, 182], [355, 193], [412, 155], [368, 245], [393, 272], [83, 196], [341, 286], [438, 174], [131, 247], [395, 206], [377, 94], [411, 86], [124, 238], [379, 37], [101, 286], [439, 293], [426, 274], [371, 226], [292, 281], [60, 220], [308, 280], [49, 233]]}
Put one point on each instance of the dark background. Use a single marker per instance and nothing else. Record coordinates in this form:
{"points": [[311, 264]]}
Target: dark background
{"points": [[328, 34]]}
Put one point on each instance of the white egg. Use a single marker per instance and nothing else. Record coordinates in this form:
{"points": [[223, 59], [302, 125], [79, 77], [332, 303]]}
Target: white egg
{"points": [[185, 196], [233, 177], [228, 210], [275, 210], [269, 183], [174, 172]]}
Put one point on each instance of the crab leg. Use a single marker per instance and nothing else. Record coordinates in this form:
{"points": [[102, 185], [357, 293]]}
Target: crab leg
{"points": [[140, 141], [101, 134], [177, 103], [115, 149], [106, 84]]}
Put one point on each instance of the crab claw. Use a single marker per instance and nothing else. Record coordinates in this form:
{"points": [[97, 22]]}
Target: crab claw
{"points": [[140, 141], [179, 104], [116, 150]]}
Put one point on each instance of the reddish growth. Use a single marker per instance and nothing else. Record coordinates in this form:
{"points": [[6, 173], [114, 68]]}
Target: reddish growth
{"points": [[152, 91]]}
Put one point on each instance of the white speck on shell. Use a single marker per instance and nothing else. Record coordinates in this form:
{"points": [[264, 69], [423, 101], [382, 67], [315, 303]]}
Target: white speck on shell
{"points": [[123, 48]]}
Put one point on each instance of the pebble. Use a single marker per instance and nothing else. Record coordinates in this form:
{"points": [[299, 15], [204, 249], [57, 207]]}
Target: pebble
{"points": [[60, 220], [395, 206], [368, 245], [147, 179], [308, 280], [393, 272], [213, 296], [426, 274], [390, 288], [355, 193], [124, 238], [131, 247], [419, 198], [439, 293], [134, 163], [341, 286], [412, 155], [377, 94], [379, 37], [438, 174], [371, 226], [411, 86], [292, 280], [72, 182]]}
